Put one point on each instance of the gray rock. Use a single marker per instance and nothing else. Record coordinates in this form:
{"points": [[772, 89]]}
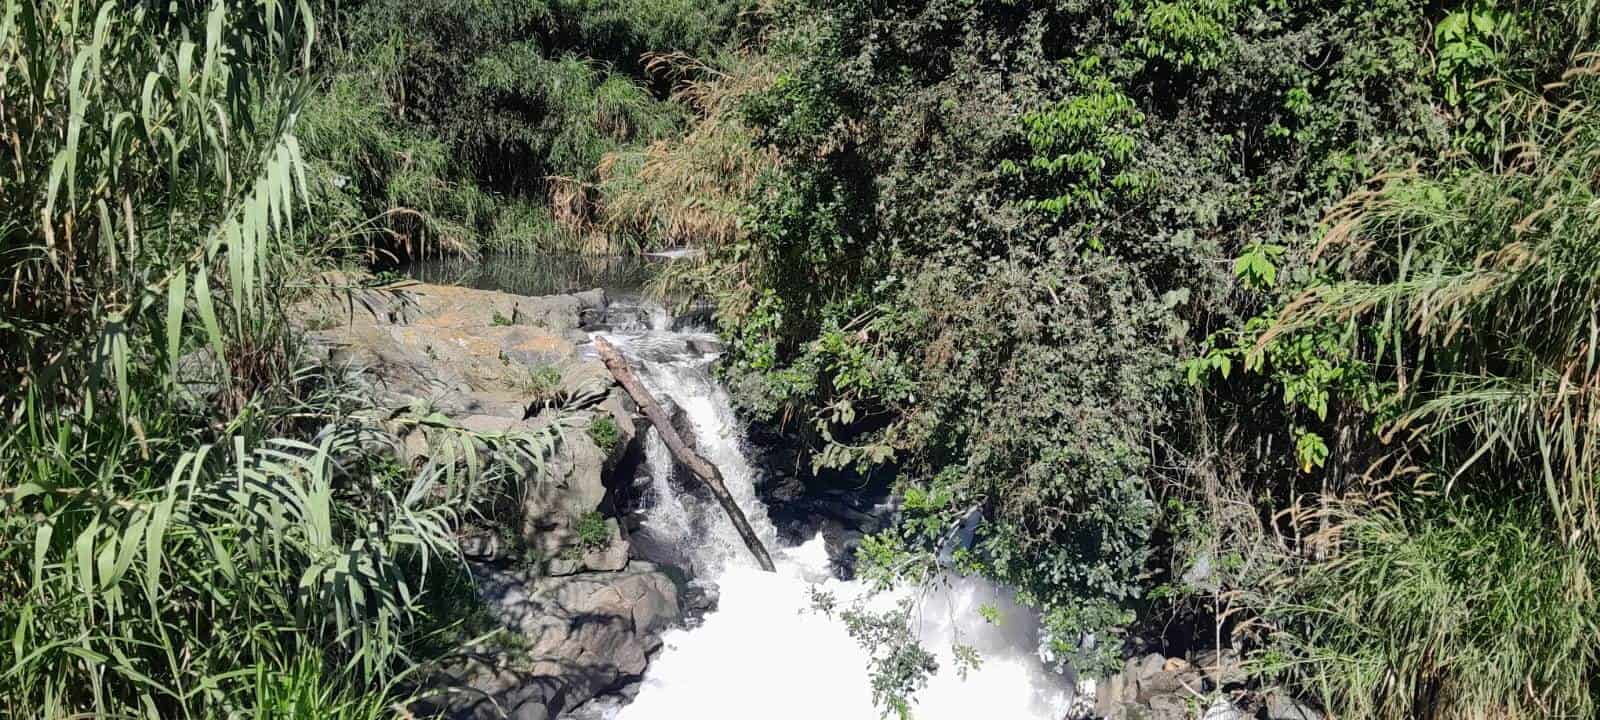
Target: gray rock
{"points": [[1167, 682], [1108, 695], [582, 635], [1221, 668], [1221, 709], [611, 556], [552, 508], [1279, 706], [589, 618], [472, 355], [531, 710], [699, 599], [1168, 707], [706, 346], [481, 545]]}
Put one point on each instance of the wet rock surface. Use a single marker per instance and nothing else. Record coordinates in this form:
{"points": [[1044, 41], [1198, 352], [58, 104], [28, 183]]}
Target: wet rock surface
{"points": [[801, 505]]}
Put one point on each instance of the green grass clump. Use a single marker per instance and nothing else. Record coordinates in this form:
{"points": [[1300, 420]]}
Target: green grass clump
{"points": [[605, 433], [593, 533]]}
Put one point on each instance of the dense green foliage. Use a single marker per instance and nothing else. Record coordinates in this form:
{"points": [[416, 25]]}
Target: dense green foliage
{"points": [[1114, 274], [1451, 311], [193, 523], [488, 125], [1253, 322], [995, 232]]}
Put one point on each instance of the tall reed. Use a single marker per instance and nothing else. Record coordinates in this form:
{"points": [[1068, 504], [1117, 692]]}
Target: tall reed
{"points": [[1472, 292], [162, 552]]}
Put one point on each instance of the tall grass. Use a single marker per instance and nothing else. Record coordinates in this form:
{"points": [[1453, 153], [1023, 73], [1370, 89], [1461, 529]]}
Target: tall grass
{"points": [[688, 191], [1472, 291], [1487, 283], [691, 191], [483, 128], [1472, 612], [175, 595], [163, 551]]}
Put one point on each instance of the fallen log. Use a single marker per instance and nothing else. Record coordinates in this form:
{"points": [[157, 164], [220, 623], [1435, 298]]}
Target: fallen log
{"points": [[705, 471]]}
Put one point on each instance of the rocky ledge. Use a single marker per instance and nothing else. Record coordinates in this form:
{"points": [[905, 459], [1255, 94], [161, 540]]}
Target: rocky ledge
{"points": [[553, 566], [1211, 685], [579, 636]]}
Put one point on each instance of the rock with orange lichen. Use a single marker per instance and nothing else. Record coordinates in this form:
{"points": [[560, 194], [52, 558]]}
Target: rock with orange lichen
{"points": [[493, 362]]}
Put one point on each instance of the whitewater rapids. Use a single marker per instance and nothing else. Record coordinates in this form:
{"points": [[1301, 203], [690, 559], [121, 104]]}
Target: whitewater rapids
{"points": [[766, 652]]}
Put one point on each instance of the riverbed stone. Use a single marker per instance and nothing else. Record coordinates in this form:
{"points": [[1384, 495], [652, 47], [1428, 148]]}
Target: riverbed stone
{"points": [[592, 628], [1166, 682], [1150, 665], [1154, 686], [1223, 709], [1222, 668], [1108, 695], [1167, 707], [584, 617]]}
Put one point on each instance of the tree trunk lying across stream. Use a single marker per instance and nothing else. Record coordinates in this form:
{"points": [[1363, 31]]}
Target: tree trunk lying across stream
{"points": [[702, 469]]}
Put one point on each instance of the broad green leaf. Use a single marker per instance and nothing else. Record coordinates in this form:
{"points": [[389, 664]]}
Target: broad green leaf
{"points": [[83, 556], [208, 314], [41, 548], [177, 292]]}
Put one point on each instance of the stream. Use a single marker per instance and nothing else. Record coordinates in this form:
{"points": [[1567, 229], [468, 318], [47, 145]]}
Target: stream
{"points": [[765, 651]]}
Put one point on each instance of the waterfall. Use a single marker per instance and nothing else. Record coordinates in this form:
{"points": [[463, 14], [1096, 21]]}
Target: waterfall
{"points": [[765, 651]]}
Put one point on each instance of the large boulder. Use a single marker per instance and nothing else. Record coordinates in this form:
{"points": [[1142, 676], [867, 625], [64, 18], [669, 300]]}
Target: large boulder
{"points": [[578, 636], [1152, 687], [1222, 668]]}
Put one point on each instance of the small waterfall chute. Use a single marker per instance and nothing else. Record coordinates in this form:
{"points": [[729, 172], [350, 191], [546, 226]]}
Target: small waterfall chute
{"points": [[705, 471], [766, 649]]}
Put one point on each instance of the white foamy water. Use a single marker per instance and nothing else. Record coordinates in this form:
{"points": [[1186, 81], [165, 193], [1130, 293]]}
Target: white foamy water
{"points": [[765, 652]]}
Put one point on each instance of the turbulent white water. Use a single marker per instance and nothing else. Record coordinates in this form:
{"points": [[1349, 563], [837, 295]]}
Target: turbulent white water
{"points": [[765, 652]]}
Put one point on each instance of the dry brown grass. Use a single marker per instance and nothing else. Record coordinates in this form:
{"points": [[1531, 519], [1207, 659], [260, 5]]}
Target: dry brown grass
{"points": [[687, 192]]}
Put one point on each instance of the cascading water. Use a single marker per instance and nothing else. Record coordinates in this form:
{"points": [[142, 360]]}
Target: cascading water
{"points": [[765, 651]]}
